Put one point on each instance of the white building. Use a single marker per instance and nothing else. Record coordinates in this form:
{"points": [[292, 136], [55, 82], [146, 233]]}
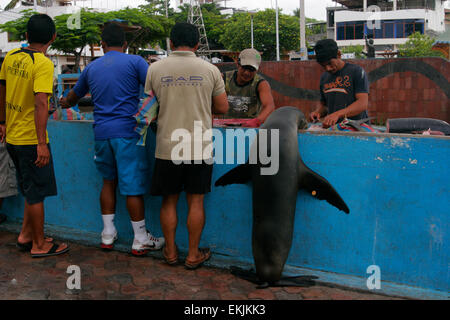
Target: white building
{"points": [[389, 22]]}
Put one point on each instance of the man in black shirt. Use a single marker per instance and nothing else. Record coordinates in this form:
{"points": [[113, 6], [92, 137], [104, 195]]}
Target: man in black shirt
{"points": [[344, 87]]}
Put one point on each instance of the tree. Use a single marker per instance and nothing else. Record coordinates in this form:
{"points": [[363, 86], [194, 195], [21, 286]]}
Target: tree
{"points": [[158, 7], [17, 28], [154, 27], [357, 50], [70, 41], [236, 34], [296, 13], [418, 45], [73, 40]]}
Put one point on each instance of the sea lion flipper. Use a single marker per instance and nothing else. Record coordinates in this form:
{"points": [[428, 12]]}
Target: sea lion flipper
{"points": [[321, 189], [241, 174], [248, 275]]}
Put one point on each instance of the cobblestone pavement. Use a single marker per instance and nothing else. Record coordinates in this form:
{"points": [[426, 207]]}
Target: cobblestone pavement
{"points": [[118, 275]]}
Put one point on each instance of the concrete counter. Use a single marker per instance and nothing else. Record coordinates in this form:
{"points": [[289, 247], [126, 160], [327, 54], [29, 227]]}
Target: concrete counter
{"points": [[396, 186]]}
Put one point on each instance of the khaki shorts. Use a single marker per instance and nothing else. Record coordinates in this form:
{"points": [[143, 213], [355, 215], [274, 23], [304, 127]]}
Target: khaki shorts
{"points": [[8, 181]]}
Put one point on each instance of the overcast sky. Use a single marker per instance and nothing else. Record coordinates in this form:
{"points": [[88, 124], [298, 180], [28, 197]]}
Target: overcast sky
{"points": [[313, 8]]}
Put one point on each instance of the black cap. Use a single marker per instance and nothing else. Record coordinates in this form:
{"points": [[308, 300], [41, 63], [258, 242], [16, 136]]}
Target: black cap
{"points": [[326, 49]]}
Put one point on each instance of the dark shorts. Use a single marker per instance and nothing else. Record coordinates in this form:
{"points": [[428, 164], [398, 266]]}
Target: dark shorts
{"points": [[169, 178], [34, 183]]}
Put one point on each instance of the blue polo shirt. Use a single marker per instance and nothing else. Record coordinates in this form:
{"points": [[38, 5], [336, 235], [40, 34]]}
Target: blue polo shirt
{"points": [[114, 83]]}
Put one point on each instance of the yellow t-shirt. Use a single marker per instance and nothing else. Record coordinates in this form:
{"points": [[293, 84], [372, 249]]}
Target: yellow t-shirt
{"points": [[26, 73]]}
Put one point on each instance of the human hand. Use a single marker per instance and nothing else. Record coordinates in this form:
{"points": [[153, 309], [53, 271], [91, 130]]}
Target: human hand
{"points": [[63, 103], [330, 120], [43, 155], [252, 123], [314, 116], [2, 133]]}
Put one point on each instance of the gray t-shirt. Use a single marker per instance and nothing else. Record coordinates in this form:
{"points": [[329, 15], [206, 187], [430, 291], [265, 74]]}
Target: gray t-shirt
{"points": [[184, 86]]}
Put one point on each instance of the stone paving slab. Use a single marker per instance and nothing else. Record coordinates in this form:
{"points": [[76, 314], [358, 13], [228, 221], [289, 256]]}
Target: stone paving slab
{"points": [[117, 275]]}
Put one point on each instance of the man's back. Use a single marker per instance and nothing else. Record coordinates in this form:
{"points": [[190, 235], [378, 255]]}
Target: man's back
{"points": [[114, 82], [25, 72], [184, 86]]}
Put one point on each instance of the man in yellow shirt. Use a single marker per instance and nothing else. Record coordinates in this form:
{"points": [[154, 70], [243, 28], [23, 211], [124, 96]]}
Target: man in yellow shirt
{"points": [[26, 85]]}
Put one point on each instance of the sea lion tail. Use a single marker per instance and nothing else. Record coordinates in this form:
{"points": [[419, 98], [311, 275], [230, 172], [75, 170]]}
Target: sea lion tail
{"points": [[240, 175], [321, 189]]}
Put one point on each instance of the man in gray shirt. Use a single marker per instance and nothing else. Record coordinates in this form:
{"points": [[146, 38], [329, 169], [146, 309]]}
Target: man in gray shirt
{"points": [[188, 90]]}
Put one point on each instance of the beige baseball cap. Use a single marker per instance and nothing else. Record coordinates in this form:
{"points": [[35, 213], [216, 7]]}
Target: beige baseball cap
{"points": [[250, 57]]}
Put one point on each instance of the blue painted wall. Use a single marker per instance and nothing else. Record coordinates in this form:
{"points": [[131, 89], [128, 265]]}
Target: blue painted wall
{"points": [[397, 189]]}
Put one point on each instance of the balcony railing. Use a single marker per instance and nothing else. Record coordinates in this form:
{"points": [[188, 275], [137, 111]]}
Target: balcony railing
{"points": [[357, 5]]}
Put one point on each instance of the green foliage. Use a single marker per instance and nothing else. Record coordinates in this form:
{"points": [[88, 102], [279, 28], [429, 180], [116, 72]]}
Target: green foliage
{"points": [[236, 34], [18, 28], [357, 50], [74, 40], [157, 7], [418, 45], [154, 27], [296, 13]]}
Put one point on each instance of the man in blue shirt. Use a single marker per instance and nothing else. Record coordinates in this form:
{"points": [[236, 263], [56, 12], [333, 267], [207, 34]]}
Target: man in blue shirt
{"points": [[114, 81]]}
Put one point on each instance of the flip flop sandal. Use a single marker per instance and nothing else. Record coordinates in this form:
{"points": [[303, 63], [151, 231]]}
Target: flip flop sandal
{"points": [[28, 245], [171, 261], [51, 252], [192, 265]]}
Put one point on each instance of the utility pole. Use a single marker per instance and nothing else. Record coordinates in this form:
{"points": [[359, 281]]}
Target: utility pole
{"points": [[303, 53], [167, 38], [251, 26], [276, 31]]}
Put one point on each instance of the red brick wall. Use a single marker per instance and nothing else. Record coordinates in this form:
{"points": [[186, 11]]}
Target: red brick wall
{"points": [[396, 91]]}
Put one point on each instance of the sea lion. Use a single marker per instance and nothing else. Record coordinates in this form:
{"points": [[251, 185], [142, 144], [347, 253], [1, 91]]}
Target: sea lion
{"points": [[275, 196]]}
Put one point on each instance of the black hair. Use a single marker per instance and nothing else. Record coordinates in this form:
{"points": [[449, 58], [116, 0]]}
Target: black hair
{"points": [[326, 50], [40, 29], [184, 34], [113, 35]]}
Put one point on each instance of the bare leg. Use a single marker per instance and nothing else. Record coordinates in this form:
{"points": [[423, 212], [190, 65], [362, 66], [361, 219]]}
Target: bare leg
{"points": [[169, 220], [108, 197], [195, 224], [35, 216], [26, 234], [136, 209]]}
